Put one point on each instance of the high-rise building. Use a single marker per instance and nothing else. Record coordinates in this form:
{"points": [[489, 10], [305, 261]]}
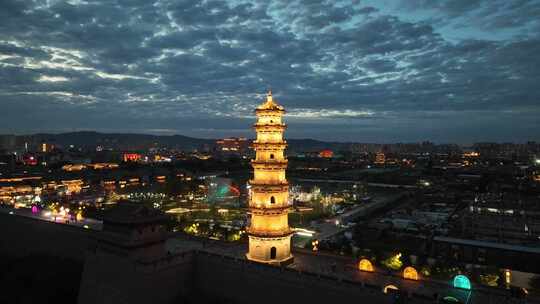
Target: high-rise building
{"points": [[131, 157], [269, 232], [233, 145], [7, 142]]}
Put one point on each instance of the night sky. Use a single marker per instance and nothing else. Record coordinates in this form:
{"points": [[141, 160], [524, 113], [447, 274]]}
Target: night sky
{"points": [[366, 71]]}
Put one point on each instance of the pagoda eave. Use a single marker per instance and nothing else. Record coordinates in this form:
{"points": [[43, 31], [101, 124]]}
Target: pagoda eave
{"points": [[269, 167], [273, 162], [269, 190], [254, 183], [269, 128], [273, 110], [269, 210], [269, 146], [269, 234]]}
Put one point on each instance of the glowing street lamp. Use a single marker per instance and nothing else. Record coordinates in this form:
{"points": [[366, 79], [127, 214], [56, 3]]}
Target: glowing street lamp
{"points": [[462, 282], [315, 245], [410, 273], [365, 265], [507, 276]]}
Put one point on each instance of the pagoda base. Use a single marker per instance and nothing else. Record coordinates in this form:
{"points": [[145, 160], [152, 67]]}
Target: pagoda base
{"points": [[283, 262], [270, 250]]}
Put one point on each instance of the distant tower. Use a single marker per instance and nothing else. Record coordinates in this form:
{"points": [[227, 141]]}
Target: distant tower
{"points": [[380, 158], [269, 232]]}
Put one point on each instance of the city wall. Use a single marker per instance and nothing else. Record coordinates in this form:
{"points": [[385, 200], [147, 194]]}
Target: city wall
{"points": [[22, 236], [225, 279], [197, 276], [108, 278]]}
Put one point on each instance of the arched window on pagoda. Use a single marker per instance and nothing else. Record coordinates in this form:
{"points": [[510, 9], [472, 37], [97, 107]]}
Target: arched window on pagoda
{"points": [[273, 252]]}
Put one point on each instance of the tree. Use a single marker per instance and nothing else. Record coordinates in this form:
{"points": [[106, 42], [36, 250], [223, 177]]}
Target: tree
{"points": [[394, 262]]}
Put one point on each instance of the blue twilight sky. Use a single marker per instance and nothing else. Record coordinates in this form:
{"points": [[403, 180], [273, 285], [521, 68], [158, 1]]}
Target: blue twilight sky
{"points": [[358, 70]]}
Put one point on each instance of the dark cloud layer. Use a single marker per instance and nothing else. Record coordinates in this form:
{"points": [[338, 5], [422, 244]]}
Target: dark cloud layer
{"points": [[346, 70]]}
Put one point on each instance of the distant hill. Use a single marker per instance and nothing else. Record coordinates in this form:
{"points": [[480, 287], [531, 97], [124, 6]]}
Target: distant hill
{"points": [[125, 141], [310, 145], [132, 141]]}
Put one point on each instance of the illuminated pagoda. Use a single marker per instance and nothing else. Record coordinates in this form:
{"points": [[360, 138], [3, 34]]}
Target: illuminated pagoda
{"points": [[269, 232]]}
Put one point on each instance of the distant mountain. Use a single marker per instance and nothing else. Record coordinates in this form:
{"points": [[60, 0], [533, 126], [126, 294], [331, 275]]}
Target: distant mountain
{"points": [[310, 145], [125, 141], [132, 141]]}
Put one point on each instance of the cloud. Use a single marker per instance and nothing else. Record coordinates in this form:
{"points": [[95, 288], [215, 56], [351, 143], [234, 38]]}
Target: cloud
{"points": [[499, 18], [198, 66]]}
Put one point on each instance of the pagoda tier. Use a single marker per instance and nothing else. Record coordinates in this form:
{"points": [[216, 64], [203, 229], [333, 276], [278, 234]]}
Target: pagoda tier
{"points": [[263, 234], [265, 146], [269, 165], [269, 232], [269, 188], [270, 111], [278, 128], [269, 210]]}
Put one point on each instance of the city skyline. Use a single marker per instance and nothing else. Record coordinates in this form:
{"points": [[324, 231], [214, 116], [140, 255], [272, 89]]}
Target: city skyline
{"points": [[358, 71]]}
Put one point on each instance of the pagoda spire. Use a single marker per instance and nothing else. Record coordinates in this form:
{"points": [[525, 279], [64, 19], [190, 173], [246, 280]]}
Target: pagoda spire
{"points": [[270, 103]]}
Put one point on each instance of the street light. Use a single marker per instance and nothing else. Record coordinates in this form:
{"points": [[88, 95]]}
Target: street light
{"points": [[462, 282], [315, 245]]}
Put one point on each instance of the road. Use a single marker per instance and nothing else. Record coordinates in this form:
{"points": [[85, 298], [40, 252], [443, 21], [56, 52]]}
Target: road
{"points": [[350, 181], [334, 226]]}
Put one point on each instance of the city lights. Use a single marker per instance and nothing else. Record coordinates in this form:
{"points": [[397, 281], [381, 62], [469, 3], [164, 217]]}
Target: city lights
{"points": [[507, 276], [315, 245], [304, 232]]}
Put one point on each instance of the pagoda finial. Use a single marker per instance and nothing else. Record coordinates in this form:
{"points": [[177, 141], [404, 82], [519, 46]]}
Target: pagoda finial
{"points": [[269, 96]]}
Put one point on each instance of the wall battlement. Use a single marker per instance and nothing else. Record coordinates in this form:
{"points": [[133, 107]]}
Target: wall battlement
{"points": [[199, 274]]}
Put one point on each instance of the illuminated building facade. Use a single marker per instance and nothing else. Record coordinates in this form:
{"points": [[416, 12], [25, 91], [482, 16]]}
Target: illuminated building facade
{"points": [[73, 186], [131, 157], [269, 232], [95, 166], [380, 158], [233, 145], [46, 147], [326, 153]]}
